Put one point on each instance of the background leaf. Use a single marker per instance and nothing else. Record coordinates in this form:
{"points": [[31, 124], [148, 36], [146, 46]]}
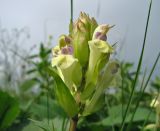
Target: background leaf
{"points": [[9, 110]]}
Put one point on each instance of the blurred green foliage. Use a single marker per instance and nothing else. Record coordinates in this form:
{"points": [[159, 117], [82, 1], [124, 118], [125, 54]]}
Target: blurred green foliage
{"points": [[9, 110]]}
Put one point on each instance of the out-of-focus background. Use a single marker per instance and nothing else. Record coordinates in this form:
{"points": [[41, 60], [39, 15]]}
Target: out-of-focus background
{"points": [[28, 31]]}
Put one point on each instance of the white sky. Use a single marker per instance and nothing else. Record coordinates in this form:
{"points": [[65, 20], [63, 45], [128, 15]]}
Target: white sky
{"points": [[51, 17]]}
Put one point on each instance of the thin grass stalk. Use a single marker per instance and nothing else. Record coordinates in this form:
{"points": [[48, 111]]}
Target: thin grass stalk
{"points": [[137, 104], [53, 129], [138, 69], [143, 79], [48, 106], [71, 6], [63, 124], [66, 123], [142, 92], [122, 93]]}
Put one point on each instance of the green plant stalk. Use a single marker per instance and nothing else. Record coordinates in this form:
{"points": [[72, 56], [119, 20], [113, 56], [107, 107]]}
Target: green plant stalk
{"points": [[143, 89], [71, 11], [73, 123], [138, 69]]}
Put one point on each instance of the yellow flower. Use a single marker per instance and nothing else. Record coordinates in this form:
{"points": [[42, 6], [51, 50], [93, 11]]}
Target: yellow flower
{"points": [[99, 56], [156, 104], [69, 70]]}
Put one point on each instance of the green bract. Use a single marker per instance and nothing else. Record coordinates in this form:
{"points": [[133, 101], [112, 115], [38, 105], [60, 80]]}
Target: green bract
{"points": [[107, 76]]}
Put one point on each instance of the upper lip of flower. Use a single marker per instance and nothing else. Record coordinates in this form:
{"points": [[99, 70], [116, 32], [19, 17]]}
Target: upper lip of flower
{"points": [[101, 31]]}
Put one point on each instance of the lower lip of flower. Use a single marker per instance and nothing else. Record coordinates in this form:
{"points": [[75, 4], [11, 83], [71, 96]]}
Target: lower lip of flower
{"points": [[67, 50]]}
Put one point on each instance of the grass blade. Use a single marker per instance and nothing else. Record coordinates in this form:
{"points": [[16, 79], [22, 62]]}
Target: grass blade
{"points": [[143, 89], [138, 69], [71, 10], [48, 106], [137, 104], [122, 93]]}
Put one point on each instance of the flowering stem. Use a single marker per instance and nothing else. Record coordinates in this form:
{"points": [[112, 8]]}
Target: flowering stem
{"points": [[73, 123]]}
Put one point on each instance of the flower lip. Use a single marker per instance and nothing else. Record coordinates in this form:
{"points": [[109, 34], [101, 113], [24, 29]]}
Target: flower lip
{"points": [[101, 32], [103, 46], [67, 50], [63, 61]]}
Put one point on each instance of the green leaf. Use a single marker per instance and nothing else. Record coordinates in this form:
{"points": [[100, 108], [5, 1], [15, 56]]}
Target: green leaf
{"points": [[26, 85], [44, 125], [32, 56], [63, 95], [40, 109], [115, 116], [31, 71], [9, 110]]}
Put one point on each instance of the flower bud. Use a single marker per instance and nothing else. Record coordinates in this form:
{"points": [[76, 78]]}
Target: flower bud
{"points": [[64, 46], [81, 34]]}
